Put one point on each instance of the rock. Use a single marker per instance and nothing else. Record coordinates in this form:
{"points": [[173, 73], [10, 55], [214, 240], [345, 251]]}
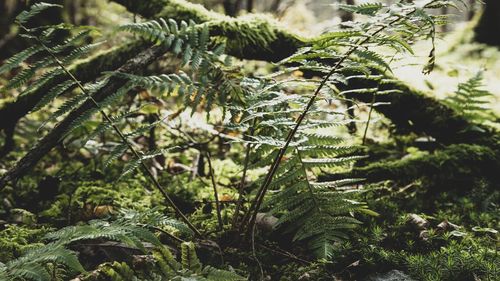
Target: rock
{"points": [[419, 222], [393, 275], [265, 222]]}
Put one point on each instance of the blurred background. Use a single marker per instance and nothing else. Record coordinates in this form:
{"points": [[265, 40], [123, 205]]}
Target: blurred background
{"points": [[468, 42]]}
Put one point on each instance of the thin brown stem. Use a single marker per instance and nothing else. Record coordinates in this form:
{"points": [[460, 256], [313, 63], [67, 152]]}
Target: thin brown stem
{"points": [[216, 193], [369, 118], [241, 188]]}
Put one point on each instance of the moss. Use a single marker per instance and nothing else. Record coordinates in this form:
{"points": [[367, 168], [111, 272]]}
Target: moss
{"points": [[15, 240], [98, 199], [390, 242], [459, 164], [249, 37]]}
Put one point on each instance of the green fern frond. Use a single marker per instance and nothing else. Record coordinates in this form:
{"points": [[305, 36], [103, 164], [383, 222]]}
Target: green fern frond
{"points": [[26, 74], [369, 9], [471, 100], [166, 261], [134, 164], [34, 10], [20, 57], [189, 258], [214, 274]]}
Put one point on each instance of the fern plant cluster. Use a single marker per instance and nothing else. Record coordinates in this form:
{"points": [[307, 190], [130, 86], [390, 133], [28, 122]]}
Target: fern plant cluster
{"points": [[283, 121], [56, 261]]}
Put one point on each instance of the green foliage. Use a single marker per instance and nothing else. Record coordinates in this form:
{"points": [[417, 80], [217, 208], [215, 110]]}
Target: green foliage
{"points": [[86, 200], [15, 240], [166, 267], [363, 9], [36, 262], [190, 42], [34, 10], [318, 213], [190, 266], [269, 115], [448, 248], [470, 100], [293, 129]]}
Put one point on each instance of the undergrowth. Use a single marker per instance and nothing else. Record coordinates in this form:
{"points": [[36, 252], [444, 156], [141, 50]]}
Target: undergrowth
{"points": [[197, 171]]}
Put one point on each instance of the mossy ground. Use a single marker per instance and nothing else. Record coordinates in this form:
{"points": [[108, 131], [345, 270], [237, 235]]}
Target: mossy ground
{"points": [[460, 241]]}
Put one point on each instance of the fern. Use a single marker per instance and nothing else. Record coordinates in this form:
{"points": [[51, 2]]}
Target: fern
{"points": [[31, 266], [190, 267], [295, 145], [55, 64], [131, 228], [190, 42], [34, 10], [363, 9], [470, 100], [313, 211]]}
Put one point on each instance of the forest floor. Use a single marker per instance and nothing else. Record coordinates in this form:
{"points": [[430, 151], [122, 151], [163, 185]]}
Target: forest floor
{"points": [[426, 230]]}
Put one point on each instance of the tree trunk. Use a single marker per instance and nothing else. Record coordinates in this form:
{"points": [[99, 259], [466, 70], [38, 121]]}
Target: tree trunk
{"points": [[487, 30], [472, 9], [232, 7], [250, 5]]}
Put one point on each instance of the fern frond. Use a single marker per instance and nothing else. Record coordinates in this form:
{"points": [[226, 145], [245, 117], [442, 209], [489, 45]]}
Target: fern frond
{"points": [[214, 274], [369, 9], [470, 100], [189, 258], [26, 74], [134, 164], [20, 57], [34, 10]]}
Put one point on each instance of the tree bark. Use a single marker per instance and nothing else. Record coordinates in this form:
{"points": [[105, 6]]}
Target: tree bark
{"points": [[232, 7], [487, 30]]}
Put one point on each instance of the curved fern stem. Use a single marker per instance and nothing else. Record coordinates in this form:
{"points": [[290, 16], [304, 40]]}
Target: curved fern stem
{"points": [[241, 188], [124, 139], [369, 118], [309, 188], [254, 208]]}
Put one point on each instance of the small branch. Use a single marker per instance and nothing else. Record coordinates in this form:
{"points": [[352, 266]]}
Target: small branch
{"points": [[284, 254]]}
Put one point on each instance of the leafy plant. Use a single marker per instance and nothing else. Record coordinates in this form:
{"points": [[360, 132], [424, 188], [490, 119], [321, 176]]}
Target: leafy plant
{"points": [[285, 129], [470, 100], [132, 229], [279, 118]]}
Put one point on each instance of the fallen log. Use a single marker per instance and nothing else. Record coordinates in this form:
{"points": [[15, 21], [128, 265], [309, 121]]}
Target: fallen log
{"points": [[408, 109], [457, 164]]}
